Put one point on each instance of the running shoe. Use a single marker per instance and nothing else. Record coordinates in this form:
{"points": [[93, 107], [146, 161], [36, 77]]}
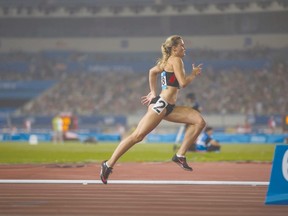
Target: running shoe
{"points": [[181, 161], [105, 172]]}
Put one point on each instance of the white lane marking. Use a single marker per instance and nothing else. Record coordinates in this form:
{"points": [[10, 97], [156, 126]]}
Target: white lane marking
{"points": [[140, 182]]}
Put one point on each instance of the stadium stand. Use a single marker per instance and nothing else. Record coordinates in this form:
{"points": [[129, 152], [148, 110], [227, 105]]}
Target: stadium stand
{"points": [[251, 93], [76, 80], [77, 87]]}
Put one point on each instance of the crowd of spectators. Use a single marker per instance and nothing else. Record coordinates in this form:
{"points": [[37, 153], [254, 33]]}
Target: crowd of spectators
{"points": [[225, 91], [23, 66], [91, 93], [262, 91]]}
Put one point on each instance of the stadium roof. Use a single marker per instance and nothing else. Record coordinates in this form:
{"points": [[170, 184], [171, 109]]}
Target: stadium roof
{"points": [[59, 8]]}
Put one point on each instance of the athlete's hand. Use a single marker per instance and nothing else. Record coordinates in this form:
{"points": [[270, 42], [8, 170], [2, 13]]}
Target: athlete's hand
{"points": [[145, 100], [197, 70]]}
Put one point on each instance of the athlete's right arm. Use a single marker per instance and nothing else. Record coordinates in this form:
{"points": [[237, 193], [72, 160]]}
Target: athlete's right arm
{"points": [[153, 72]]}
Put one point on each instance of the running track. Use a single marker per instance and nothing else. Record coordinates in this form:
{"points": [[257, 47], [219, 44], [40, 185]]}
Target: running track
{"points": [[137, 199]]}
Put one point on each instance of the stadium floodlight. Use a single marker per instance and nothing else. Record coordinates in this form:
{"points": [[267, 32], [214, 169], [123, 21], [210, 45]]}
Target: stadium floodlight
{"points": [[222, 6], [242, 5], [200, 7], [137, 9], [158, 8], [94, 9], [116, 9], [179, 8], [283, 3]]}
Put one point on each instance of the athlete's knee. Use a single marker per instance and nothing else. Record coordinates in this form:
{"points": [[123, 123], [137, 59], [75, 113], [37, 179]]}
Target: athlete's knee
{"points": [[199, 122], [202, 123], [138, 137]]}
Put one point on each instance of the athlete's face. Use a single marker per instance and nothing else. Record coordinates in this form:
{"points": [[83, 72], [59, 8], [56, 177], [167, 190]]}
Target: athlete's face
{"points": [[179, 50]]}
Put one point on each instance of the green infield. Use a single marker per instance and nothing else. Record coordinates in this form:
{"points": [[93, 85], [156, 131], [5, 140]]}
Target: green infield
{"points": [[73, 152]]}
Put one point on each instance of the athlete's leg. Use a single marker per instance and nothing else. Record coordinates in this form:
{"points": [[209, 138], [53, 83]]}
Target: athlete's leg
{"points": [[195, 122], [145, 126]]}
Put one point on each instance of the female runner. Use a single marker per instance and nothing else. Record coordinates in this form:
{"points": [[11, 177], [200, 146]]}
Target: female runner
{"points": [[162, 106]]}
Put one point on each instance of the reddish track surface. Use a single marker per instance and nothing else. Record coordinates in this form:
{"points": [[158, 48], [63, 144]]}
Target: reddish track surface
{"points": [[130, 199]]}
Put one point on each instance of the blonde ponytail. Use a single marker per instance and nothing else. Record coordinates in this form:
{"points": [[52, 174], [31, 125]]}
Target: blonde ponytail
{"points": [[166, 49]]}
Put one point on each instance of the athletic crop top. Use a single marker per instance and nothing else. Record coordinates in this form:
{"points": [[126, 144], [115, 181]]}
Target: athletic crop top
{"points": [[169, 79]]}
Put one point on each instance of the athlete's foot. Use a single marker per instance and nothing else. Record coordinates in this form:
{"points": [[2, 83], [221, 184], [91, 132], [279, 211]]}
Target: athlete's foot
{"points": [[105, 172], [181, 161]]}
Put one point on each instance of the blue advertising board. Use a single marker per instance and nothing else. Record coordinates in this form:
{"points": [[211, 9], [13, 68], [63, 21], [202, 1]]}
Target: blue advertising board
{"points": [[277, 193]]}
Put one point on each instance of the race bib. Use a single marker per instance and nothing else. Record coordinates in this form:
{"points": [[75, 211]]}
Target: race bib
{"points": [[163, 80], [160, 105]]}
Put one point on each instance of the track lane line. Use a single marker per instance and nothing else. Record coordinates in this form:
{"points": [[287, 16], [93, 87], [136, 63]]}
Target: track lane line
{"points": [[140, 182]]}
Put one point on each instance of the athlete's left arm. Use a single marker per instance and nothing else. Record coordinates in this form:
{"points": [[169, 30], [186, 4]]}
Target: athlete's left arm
{"points": [[178, 67]]}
